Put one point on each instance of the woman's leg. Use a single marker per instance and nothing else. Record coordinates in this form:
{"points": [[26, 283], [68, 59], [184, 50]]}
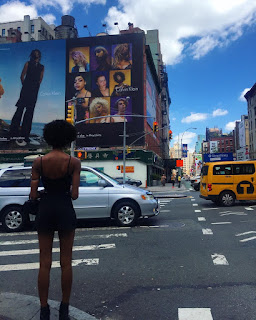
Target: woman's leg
{"points": [[66, 245], [45, 246]]}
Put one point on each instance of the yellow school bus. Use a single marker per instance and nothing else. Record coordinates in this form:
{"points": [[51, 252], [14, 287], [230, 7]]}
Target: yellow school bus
{"points": [[226, 181]]}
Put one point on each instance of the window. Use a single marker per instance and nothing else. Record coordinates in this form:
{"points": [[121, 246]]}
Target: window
{"points": [[32, 28], [243, 168], [16, 178], [88, 179], [3, 32], [18, 29], [204, 171], [231, 141], [222, 170]]}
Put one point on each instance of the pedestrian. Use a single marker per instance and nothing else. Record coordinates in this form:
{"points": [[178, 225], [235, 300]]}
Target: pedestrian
{"points": [[163, 179], [179, 181], [173, 180], [60, 175]]}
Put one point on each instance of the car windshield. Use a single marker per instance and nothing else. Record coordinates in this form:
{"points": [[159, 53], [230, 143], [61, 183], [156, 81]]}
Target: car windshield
{"points": [[106, 175]]}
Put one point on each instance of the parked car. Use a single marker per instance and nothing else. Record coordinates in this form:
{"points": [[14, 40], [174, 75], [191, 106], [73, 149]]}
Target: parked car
{"points": [[100, 196], [195, 182], [129, 180]]}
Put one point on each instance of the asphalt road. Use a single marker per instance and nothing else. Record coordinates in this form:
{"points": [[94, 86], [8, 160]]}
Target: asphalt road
{"points": [[195, 261]]}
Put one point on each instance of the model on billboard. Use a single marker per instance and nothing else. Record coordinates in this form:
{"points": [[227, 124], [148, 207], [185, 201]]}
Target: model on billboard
{"points": [[31, 78], [99, 108], [79, 59], [122, 57], [121, 106], [102, 90], [82, 97], [1, 89], [102, 59], [120, 88]]}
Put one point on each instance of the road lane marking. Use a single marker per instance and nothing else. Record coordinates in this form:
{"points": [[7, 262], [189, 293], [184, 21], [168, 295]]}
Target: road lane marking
{"points": [[95, 236], [207, 231], [194, 314], [226, 222], [55, 264], [210, 209], [219, 259], [201, 219], [247, 239], [193, 199], [195, 205], [228, 213], [198, 210], [245, 233], [54, 250], [163, 211], [248, 208]]}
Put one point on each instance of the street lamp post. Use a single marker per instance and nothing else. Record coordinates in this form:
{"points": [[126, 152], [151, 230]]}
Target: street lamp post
{"points": [[182, 138]]}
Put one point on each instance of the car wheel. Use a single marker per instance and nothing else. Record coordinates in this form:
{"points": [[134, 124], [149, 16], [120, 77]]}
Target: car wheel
{"points": [[227, 198], [13, 219], [126, 214]]}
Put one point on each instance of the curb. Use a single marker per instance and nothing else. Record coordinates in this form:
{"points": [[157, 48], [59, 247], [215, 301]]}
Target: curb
{"points": [[28, 307]]}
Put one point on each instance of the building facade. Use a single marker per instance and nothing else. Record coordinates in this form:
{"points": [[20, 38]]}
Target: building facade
{"points": [[30, 29], [250, 96]]}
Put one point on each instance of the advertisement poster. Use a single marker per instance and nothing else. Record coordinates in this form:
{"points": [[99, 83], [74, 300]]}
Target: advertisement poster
{"points": [[198, 164], [184, 150], [218, 157], [151, 98], [213, 146], [104, 82], [33, 78]]}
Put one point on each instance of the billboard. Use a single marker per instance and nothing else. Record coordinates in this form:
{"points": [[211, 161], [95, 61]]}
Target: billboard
{"points": [[184, 150], [151, 97], [213, 146], [104, 77], [33, 77], [98, 75], [209, 157]]}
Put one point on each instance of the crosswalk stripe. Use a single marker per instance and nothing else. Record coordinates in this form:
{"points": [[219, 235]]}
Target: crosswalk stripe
{"points": [[54, 250], [201, 219], [207, 231], [219, 259], [55, 264], [195, 314], [248, 208], [95, 236]]}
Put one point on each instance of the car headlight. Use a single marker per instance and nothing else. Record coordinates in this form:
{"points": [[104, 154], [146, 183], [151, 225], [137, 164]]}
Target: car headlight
{"points": [[147, 196]]}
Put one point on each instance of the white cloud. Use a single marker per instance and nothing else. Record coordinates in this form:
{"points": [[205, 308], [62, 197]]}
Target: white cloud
{"points": [[174, 119], [195, 117], [16, 10], [242, 98], [188, 27], [219, 112], [230, 125], [49, 18]]}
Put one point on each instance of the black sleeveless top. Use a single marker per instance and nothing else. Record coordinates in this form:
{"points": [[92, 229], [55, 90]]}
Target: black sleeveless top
{"points": [[57, 186]]}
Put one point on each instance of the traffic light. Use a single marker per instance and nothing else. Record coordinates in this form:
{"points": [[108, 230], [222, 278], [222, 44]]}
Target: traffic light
{"points": [[170, 134], [128, 150], [80, 154], [71, 114], [155, 126], [118, 167]]}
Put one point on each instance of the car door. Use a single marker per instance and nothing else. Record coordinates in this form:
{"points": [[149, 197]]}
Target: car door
{"points": [[245, 180], [93, 200]]}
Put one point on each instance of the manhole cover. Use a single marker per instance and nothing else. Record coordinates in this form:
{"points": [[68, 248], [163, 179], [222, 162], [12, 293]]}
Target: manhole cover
{"points": [[176, 225]]}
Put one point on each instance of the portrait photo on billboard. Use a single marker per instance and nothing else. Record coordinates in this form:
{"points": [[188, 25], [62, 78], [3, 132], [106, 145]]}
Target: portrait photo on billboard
{"points": [[122, 56], [33, 77], [120, 83], [116, 73], [79, 91], [79, 59], [120, 107], [100, 58], [100, 84]]}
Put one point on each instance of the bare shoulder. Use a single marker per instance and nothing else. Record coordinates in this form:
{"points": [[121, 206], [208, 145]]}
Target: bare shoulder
{"points": [[37, 162], [76, 162]]}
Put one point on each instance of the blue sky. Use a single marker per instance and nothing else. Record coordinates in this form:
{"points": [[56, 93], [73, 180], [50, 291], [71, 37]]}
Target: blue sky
{"points": [[208, 46]]}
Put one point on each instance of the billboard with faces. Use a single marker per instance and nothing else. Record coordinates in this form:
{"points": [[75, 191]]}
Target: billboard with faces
{"points": [[104, 82]]}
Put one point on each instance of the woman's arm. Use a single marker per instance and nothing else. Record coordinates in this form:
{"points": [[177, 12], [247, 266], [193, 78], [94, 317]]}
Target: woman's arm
{"points": [[41, 75], [35, 178], [24, 72], [75, 178]]}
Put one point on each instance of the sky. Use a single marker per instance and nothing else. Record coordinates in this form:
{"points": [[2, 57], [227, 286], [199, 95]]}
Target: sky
{"points": [[208, 48]]}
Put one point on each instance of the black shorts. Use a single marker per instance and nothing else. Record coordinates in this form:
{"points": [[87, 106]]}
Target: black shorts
{"points": [[56, 213]]}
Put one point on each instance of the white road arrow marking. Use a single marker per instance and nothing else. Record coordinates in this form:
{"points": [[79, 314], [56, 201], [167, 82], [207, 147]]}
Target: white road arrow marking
{"points": [[219, 259], [195, 314]]}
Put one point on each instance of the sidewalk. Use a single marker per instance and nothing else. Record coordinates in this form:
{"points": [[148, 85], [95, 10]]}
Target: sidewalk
{"points": [[14, 306], [168, 191]]}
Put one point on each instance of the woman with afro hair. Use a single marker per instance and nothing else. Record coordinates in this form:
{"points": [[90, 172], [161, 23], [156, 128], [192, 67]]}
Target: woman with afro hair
{"points": [[60, 175]]}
